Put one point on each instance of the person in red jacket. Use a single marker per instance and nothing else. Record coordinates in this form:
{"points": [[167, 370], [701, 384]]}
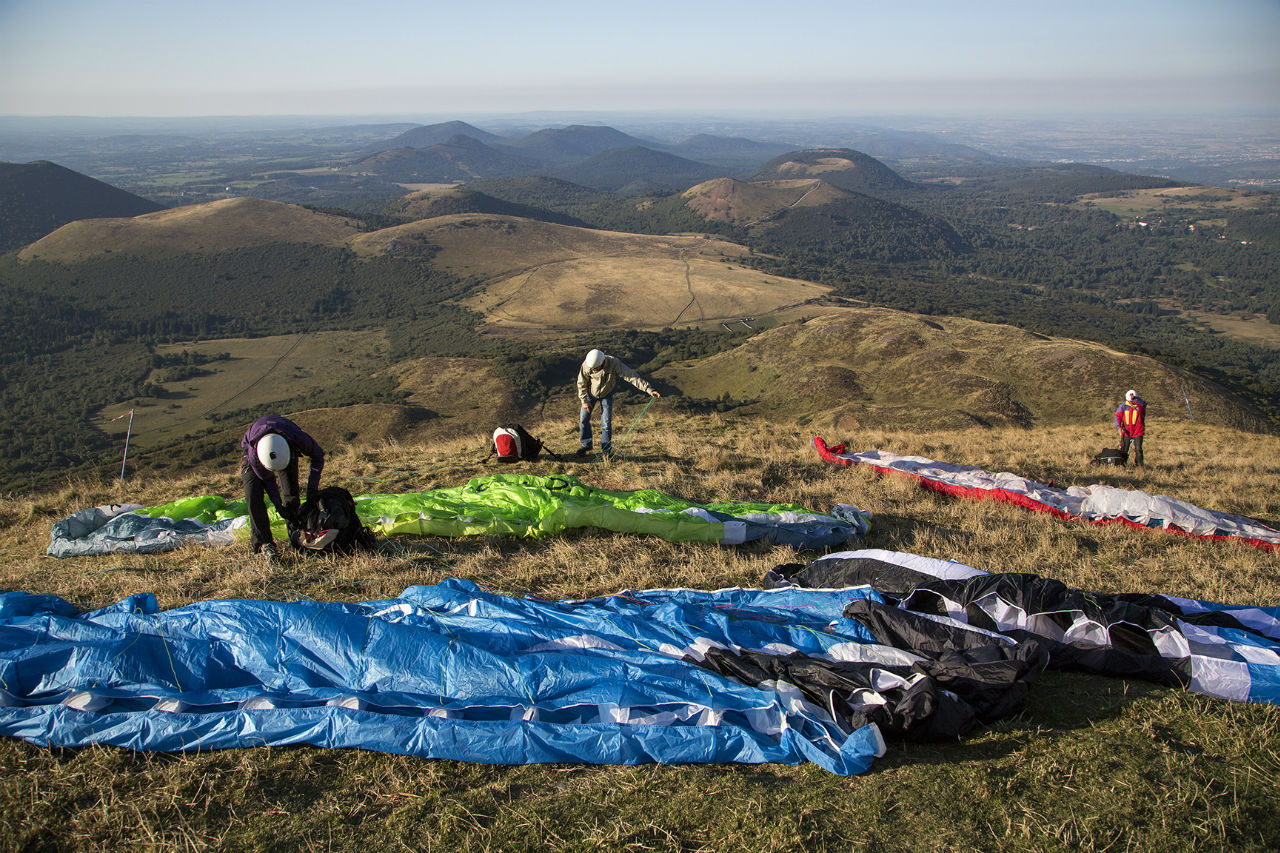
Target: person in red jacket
{"points": [[1131, 420]]}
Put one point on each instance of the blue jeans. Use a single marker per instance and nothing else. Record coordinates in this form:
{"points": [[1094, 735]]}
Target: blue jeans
{"points": [[606, 422]]}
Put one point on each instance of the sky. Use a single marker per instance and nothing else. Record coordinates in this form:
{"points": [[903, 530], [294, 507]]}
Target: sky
{"points": [[382, 58]]}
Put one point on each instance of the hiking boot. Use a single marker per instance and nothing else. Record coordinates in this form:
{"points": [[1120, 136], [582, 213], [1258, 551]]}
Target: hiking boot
{"points": [[270, 555], [582, 451]]}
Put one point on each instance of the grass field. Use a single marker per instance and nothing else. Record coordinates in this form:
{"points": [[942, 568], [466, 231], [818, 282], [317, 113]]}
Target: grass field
{"points": [[1088, 763], [538, 275], [259, 372], [1152, 202], [1253, 328]]}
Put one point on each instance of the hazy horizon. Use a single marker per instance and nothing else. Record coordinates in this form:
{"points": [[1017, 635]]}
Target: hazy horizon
{"points": [[132, 58]]}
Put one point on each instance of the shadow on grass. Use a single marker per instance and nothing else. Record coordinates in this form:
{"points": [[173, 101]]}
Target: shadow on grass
{"points": [[1058, 704], [892, 532]]}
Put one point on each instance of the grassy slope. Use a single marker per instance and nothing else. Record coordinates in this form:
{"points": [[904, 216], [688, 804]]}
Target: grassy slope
{"points": [[1088, 763], [202, 228], [254, 376], [739, 202], [846, 369], [538, 275], [861, 367]]}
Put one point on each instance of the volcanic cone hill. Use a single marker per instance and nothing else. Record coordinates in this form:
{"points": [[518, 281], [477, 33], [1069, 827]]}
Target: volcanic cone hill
{"points": [[426, 204], [460, 158], [873, 367], [575, 142], [435, 134], [207, 228], [747, 203], [841, 167], [37, 198]]}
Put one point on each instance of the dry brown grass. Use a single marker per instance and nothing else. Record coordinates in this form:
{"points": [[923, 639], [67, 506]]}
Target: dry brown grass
{"points": [[729, 200], [208, 228], [1089, 763], [709, 458], [1246, 326], [858, 368], [538, 275]]}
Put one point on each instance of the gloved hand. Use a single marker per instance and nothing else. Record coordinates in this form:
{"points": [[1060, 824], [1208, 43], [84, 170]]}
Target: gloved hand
{"points": [[292, 514]]}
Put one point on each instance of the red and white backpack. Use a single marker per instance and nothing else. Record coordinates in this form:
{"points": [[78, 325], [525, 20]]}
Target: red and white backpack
{"points": [[513, 443]]}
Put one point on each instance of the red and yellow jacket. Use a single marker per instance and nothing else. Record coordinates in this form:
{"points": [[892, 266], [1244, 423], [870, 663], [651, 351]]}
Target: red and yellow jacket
{"points": [[1131, 418]]}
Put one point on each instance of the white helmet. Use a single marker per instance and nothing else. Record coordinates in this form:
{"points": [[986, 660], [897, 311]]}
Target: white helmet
{"points": [[273, 451], [1129, 395], [594, 359]]}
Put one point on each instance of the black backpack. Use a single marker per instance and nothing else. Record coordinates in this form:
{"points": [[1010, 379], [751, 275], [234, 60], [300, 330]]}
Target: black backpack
{"points": [[1111, 457], [513, 443], [329, 524]]}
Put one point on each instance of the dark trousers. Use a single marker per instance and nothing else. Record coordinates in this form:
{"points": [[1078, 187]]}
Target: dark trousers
{"points": [[255, 497], [1137, 447]]}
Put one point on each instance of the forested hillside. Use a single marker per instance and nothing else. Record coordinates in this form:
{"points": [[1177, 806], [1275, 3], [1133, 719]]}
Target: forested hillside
{"points": [[459, 158], [36, 198], [431, 203], [1045, 265], [71, 348]]}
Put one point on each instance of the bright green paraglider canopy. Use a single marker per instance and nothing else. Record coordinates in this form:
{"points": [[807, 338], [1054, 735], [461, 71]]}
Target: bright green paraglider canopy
{"points": [[517, 505]]}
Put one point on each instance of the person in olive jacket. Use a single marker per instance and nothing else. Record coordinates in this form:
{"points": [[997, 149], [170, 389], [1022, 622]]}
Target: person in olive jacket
{"points": [[597, 380]]}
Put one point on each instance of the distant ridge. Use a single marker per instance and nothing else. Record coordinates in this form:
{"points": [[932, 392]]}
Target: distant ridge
{"points": [[636, 169], [37, 198], [841, 167], [728, 152], [575, 142], [914, 145], [461, 158], [427, 204], [434, 134]]}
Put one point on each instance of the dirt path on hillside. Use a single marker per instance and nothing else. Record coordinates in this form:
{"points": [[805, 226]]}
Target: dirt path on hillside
{"points": [[293, 346], [693, 298]]}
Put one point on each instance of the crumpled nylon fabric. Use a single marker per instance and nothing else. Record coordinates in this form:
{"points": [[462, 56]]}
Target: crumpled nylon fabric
{"points": [[1097, 503], [444, 671], [515, 505]]}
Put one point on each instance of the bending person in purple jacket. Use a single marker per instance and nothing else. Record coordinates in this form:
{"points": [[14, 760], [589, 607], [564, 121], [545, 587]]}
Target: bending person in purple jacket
{"points": [[270, 466]]}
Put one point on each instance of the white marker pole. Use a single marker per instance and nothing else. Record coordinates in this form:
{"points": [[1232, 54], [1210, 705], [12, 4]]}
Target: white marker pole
{"points": [[128, 432]]}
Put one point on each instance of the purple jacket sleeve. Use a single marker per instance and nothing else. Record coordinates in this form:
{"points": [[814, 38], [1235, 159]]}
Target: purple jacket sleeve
{"points": [[299, 443]]}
